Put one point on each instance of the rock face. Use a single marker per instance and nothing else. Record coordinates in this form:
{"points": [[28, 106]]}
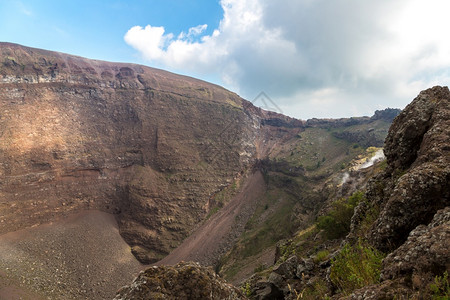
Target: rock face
{"points": [[425, 252], [150, 146], [413, 198], [182, 281], [418, 156], [413, 266]]}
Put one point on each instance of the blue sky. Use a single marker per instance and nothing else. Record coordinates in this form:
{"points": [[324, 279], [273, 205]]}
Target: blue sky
{"points": [[94, 28], [314, 58]]}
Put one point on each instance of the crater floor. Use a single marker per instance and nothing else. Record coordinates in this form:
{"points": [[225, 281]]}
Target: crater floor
{"points": [[79, 257]]}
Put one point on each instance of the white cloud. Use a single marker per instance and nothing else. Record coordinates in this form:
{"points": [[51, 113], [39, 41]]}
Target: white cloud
{"points": [[149, 41], [314, 58], [194, 31]]}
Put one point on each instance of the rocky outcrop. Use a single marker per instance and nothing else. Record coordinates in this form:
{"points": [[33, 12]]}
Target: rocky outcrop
{"points": [[413, 266], [412, 197], [418, 175], [182, 281], [387, 114], [277, 285], [424, 253], [149, 146], [287, 269]]}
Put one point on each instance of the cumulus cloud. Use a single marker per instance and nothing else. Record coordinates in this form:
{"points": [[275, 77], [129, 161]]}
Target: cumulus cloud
{"points": [[315, 58], [193, 31]]}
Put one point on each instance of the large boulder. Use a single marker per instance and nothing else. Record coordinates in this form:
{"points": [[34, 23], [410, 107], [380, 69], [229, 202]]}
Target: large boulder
{"points": [[288, 268], [186, 280]]}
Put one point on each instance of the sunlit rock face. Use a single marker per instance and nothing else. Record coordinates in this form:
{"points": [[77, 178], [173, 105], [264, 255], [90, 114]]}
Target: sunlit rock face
{"points": [[147, 145]]}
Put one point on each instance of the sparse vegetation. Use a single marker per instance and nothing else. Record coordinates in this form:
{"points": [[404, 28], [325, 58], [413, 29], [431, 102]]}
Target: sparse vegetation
{"points": [[212, 212], [260, 268], [222, 197], [321, 256], [440, 289], [336, 223], [318, 290], [246, 289], [356, 266], [286, 250], [371, 214]]}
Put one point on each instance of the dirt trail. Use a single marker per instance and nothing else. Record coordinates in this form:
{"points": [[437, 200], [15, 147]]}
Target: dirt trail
{"points": [[212, 239], [81, 257]]}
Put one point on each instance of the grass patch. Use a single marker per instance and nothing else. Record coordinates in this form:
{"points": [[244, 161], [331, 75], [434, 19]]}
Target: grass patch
{"points": [[321, 256], [287, 249], [247, 289], [356, 266]]}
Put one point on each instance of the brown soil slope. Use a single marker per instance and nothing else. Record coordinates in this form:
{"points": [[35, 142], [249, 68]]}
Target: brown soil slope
{"points": [[82, 257]]}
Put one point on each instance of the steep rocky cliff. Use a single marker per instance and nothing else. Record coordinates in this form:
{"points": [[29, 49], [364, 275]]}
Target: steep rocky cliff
{"points": [[147, 145]]}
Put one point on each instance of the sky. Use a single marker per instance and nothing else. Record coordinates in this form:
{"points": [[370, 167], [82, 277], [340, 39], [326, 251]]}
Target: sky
{"points": [[312, 58]]}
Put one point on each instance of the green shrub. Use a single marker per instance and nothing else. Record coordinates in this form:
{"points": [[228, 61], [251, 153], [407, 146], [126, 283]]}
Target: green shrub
{"points": [[321, 256], [247, 289], [336, 223], [440, 289], [356, 266], [287, 249]]}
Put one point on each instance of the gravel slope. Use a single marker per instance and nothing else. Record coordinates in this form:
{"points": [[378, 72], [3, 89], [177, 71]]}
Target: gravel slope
{"points": [[81, 257]]}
